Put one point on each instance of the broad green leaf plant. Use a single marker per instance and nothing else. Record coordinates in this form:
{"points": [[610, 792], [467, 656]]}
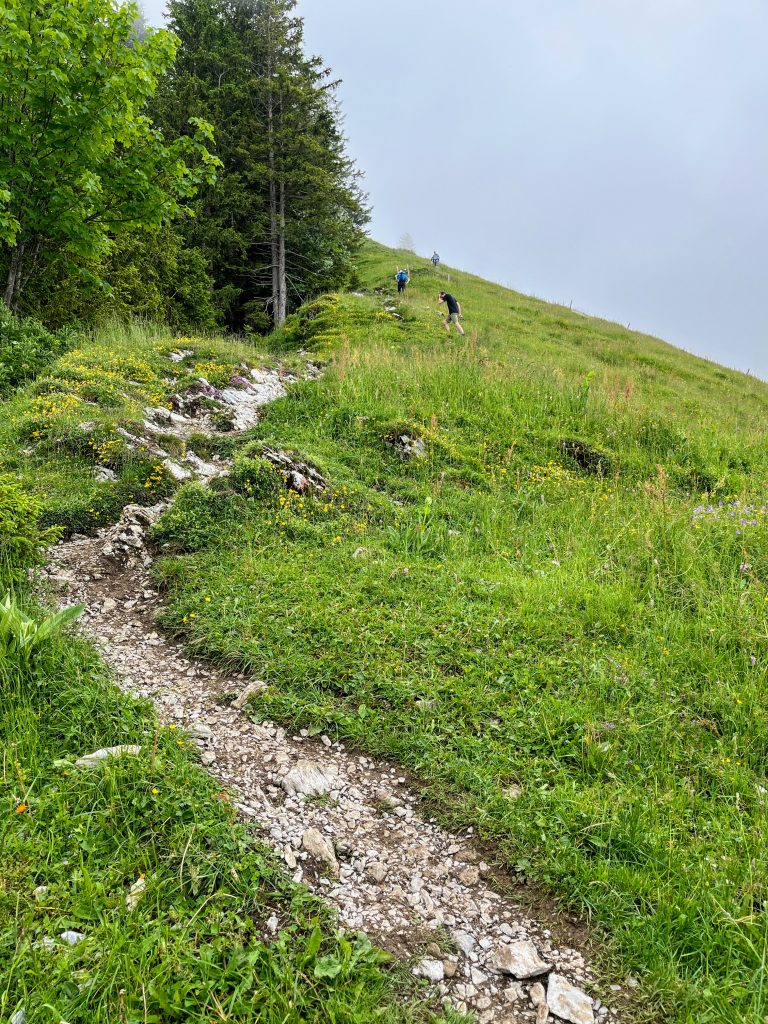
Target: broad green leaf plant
{"points": [[80, 160], [20, 635]]}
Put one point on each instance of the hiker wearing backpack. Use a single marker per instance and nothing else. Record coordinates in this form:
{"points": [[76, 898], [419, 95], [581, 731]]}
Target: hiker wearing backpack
{"points": [[435, 259], [454, 312], [402, 279]]}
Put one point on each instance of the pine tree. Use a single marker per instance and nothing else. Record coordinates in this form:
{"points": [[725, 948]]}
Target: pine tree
{"points": [[287, 212]]}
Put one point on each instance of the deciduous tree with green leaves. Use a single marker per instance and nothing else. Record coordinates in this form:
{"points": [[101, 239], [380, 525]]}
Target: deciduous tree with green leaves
{"points": [[80, 159]]}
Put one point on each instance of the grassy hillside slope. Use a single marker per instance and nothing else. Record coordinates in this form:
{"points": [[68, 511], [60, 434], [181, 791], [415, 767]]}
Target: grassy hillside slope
{"points": [[197, 945], [556, 617]]}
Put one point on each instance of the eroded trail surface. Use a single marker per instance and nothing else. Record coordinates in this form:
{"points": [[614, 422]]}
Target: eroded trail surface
{"points": [[346, 825]]}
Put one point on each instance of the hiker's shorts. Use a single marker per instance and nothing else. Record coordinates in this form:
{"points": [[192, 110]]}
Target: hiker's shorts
{"points": [[452, 318], [401, 286]]}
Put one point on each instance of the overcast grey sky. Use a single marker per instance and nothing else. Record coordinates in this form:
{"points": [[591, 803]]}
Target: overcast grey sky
{"points": [[609, 153]]}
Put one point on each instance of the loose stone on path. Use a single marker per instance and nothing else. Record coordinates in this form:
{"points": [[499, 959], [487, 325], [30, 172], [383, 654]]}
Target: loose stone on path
{"points": [[521, 960], [568, 1002]]}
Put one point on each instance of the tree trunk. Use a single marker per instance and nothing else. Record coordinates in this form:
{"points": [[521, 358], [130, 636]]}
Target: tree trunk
{"points": [[282, 291], [282, 310], [273, 212], [13, 283]]}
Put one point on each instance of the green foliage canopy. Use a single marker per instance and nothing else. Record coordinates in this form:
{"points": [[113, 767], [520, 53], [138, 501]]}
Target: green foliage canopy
{"points": [[80, 159], [150, 274]]}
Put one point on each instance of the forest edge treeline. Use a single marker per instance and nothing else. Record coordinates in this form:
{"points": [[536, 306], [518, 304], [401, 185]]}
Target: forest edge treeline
{"points": [[195, 175]]}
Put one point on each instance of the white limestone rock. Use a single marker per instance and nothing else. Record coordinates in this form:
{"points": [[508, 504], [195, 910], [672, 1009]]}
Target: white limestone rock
{"points": [[431, 969], [307, 778], [521, 960], [321, 848], [568, 1002], [98, 756]]}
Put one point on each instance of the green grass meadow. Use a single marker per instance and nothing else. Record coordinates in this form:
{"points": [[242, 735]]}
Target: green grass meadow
{"points": [[62, 425], [556, 618]]}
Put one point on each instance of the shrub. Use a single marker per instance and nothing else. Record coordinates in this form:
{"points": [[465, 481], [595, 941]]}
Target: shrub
{"points": [[22, 541], [26, 347], [313, 324], [151, 275], [256, 320], [255, 478], [195, 519]]}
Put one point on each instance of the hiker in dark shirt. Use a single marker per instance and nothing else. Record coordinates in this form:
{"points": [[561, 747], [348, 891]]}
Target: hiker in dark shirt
{"points": [[454, 311]]}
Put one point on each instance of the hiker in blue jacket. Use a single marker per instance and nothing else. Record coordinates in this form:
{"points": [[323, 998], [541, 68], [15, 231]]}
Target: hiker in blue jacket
{"points": [[402, 279]]}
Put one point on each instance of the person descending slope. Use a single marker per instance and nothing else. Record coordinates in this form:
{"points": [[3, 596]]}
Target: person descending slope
{"points": [[435, 259], [454, 311], [402, 279]]}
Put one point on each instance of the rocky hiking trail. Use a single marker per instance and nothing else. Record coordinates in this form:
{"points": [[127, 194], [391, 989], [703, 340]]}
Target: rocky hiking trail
{"points": [[346, 825]]}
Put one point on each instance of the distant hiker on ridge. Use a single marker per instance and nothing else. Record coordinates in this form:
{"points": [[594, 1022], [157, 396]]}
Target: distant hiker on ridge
{"points": [[454, 312], [435, 259]]}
